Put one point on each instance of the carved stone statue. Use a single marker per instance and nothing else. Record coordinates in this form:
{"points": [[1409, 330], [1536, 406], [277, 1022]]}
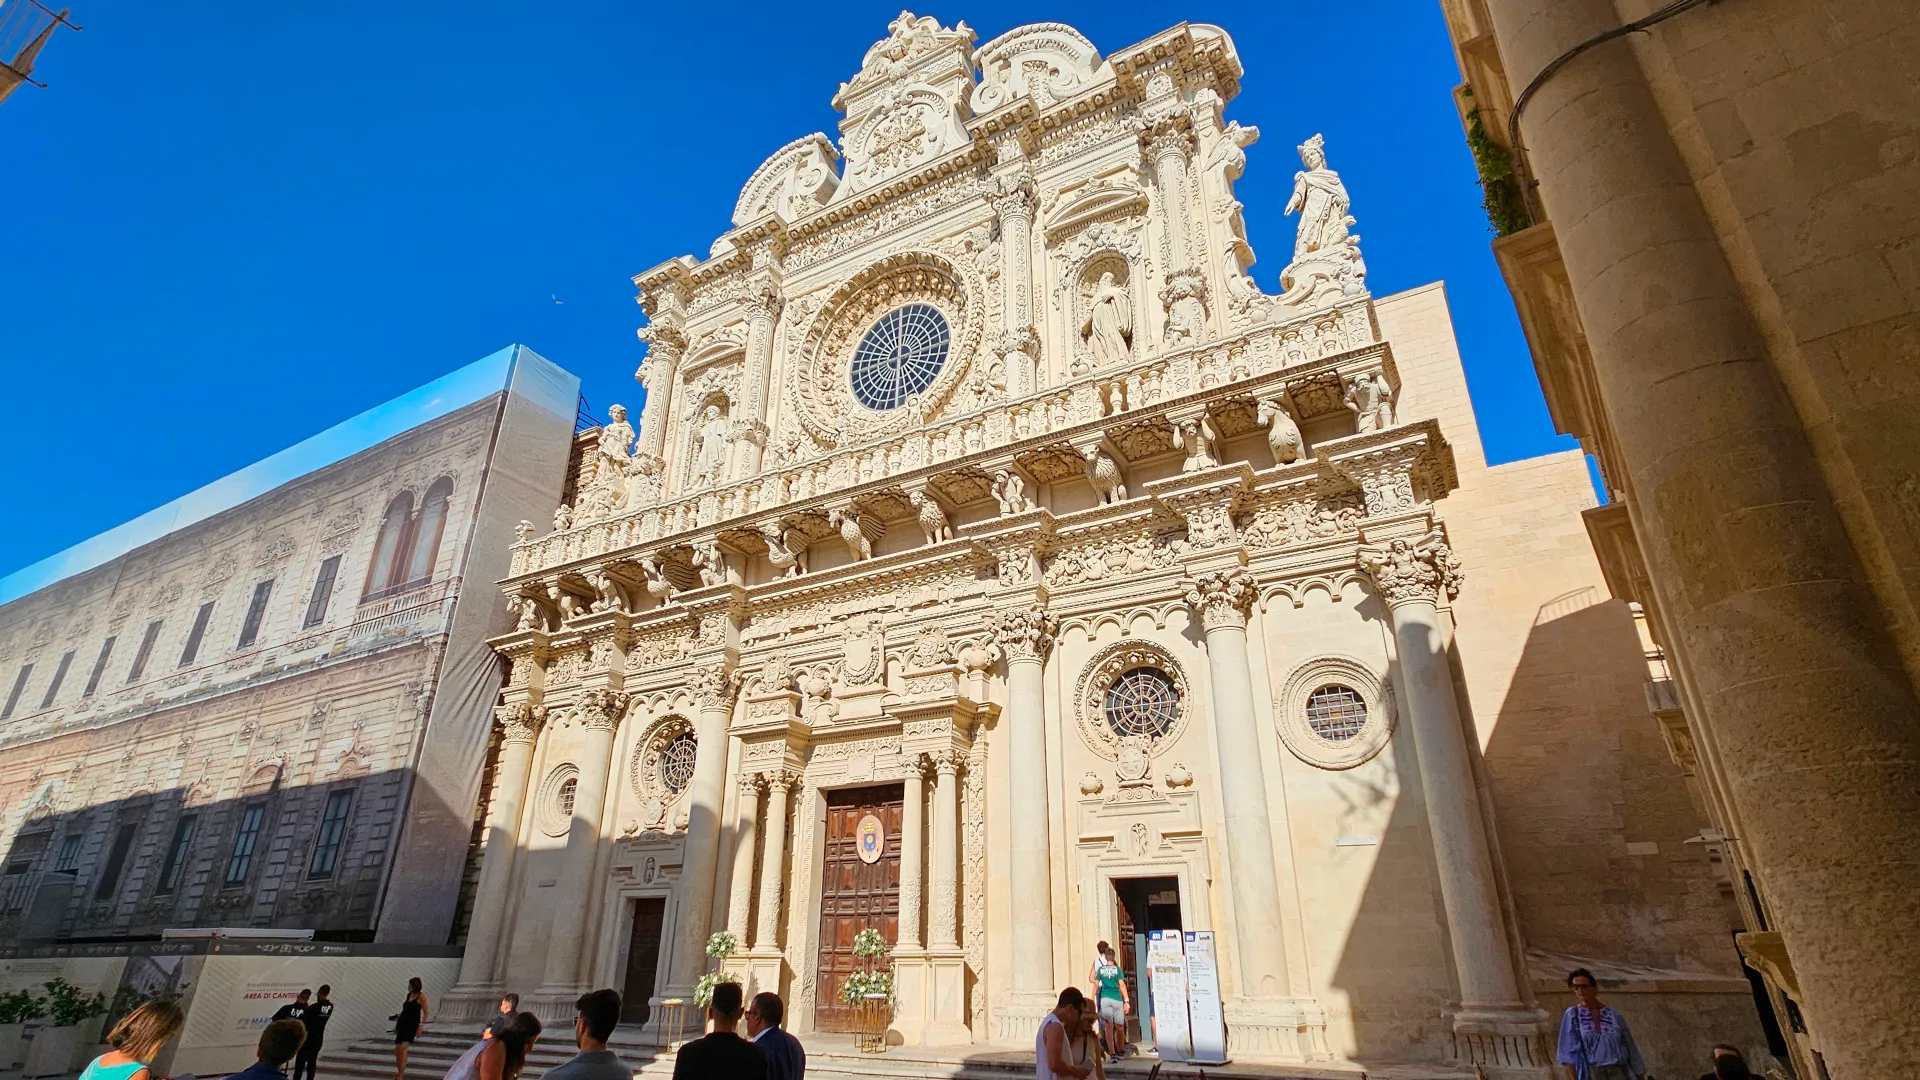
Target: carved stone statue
{"points": [[523, 532], [1283, 434], [658, 586], [1184, 297], [1009, 490], [611, 454], [709, 449], [1325, 252], [1104, 473], [848, 522], [1109, 323], [933, 520], [1371, 399], [783, 559], [562, 518], [1201, 442], [710, 562]]}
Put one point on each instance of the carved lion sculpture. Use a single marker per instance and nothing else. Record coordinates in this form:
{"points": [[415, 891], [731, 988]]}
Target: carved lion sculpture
{"points": [[933, 520]]}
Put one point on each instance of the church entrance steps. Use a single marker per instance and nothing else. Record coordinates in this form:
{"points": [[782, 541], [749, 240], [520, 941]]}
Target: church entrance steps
{"points": [[834, 1057]]}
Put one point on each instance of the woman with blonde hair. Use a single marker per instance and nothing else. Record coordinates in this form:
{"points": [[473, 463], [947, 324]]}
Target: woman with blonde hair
{"points": [[136, 1041]]}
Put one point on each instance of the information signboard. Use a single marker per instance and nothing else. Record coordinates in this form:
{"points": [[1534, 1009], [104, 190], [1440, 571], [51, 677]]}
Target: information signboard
{"points": [[1167, 964], [1205, 1020]]}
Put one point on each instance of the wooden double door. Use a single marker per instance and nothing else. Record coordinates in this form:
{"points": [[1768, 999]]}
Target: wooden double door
{"points": [[856, 894]]}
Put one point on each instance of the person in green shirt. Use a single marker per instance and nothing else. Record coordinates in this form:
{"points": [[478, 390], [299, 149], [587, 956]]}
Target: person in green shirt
{"points": [[1111, 996]]}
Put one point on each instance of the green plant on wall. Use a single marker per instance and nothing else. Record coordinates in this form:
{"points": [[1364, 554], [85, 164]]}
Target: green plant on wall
{"points": [[20, 1006], [68, 1005], [1499, 188]]}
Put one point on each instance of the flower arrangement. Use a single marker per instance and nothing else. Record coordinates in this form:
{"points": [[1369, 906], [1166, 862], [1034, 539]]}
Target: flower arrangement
{"points": [[20, 1006], [871, 946], [68, 1005], [719, 946]]}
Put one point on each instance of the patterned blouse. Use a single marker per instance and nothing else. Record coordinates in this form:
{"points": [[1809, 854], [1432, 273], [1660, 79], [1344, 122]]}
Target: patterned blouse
{"points": [[1585, 1043]]}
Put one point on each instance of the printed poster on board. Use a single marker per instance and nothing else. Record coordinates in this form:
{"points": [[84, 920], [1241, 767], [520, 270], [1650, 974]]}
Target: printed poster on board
{"points": [[1208, 1026], [1167, 964]]}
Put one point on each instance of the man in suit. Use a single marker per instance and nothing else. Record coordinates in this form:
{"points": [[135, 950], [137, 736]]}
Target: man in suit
{"points": [[786, 1058], [723, 1055]]}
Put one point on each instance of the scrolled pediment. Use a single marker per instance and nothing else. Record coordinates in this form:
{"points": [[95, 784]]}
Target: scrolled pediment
{"points": [[1111, 197]]}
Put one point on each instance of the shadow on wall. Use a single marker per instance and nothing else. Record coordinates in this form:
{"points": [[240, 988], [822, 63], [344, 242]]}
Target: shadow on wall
{"points": [[310, 856]]}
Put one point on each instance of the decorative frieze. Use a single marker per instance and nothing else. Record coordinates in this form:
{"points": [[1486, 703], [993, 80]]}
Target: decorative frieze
{"points": [[1414, 571]]}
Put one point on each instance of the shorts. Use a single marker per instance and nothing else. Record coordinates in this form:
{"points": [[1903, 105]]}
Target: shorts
{"points": [[1112, 1011]]}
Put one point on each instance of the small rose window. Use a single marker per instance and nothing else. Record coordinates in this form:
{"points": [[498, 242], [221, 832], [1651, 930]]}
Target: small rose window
{"points": [[1336, 713], [1143, 701], [676, 762]]}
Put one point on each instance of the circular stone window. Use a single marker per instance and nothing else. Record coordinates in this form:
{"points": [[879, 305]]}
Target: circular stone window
{"points": [[900, 356], [676, 762], [1144, 702], [1334, 712], [554, 806]]}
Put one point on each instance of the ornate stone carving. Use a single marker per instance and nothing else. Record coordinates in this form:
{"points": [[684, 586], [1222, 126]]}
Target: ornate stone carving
{"points": [[658, 586], [862, 639], [1222, 597], [1209, 525], [1108, 329], [1010, 491], [1342, 739], [1370, 398], [1185, 298], [934, 526], [1111, 559], [931, 648], [1326, 255], [1406, 572], [1023, 634], [1198, 437], [796, 180], [1046, 62], [1283, 433], [520, 722], [710, 563], [1130, 750], [712, 686], [786, 549], [669, 735], [601, 708], [1317, 518], [848, 523], [1104, 473]]}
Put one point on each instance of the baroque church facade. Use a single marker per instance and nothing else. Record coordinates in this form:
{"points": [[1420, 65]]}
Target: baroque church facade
{"points": [[997, 566]]}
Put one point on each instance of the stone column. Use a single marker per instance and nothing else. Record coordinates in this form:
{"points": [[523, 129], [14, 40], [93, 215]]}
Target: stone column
{"points": [[745, 838], [943, 918], [912, 855], [519, 728], [1782, 639], [1409, 577], [1019, 346], [1025, 638], [1167, 145], [665, 343], [773, 861], [1222, 599], [599, 714], [713, 686], [750, 441]]}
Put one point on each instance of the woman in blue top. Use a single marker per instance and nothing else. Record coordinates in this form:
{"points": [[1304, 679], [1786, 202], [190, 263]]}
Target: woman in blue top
{"points": [[136, 1041], [1594, 1041]]}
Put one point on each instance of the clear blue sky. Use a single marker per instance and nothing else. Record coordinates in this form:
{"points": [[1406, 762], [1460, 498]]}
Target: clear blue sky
{"points": [[231, 226]]}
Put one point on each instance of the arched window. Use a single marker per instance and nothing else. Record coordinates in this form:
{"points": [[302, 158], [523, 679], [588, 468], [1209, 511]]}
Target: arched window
{"points": [[426, 534], [393, 536]]}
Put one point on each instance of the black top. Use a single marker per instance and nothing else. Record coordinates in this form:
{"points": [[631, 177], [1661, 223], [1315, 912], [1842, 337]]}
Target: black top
{"points": [[292, 1010], [316, 1019], [720, 1056], [499, 1024], [408, 1022]]}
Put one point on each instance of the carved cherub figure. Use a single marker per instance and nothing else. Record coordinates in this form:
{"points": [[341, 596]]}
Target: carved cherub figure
{"points": [[710, 562], [1283, 434], [933, 520], [523, 532], [562, 518]]}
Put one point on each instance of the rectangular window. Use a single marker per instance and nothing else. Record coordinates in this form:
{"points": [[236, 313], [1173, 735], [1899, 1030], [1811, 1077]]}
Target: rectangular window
{"points": [[69, 858], [333, 830], [19, 687], [99, 667], [256, 612], [116, 861], [146, 650], [177, 853], [241, 861], [59, 676], [17, 882], [199, 631], [322, 592]]}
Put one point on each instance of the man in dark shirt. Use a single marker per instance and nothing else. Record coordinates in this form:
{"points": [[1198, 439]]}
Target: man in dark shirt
{"points": [[509, 1008], [278, 1044], [295, 1009], [316, 1017], [786, 1058], [723, 1055]]}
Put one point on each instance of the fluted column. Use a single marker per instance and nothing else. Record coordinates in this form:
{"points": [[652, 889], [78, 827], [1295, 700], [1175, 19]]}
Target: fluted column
{"points": [[943, 921], [1223, 599], [519, 728], [912, 854], [598, 715], [1025, 638], [1018, 345], [713, 688], [763, 308], [745, 838], [1409, 576], [773, 861]]}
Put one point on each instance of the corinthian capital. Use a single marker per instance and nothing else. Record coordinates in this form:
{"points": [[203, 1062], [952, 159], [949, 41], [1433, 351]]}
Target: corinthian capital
{"points": [[602, 708], [1015, 196], [763, 301], [1022, 634], [520, 722], [1407, 572], [713, 686], [1222, 597]]}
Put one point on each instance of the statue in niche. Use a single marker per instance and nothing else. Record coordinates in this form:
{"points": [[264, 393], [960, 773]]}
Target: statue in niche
{"points": [[1321, 200], [1009, 490], [1109, 323], [1283, 434], [709, 448], [1370, 399]]}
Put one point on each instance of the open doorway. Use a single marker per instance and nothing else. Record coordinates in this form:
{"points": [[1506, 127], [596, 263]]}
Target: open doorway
{"points": [[1144, 904], [643, 959]]}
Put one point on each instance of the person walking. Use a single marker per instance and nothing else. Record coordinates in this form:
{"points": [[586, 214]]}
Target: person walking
{"points": [[136, 1040], [501, 1057], [596, 1015], [1052, 1042], [1595, 1043], [1110, 995], [319, 1011], [509, 1005], [295, 1009], [1720, 1053], [279, 1044], [722, 1055], [407, 1024], [786, 1058]]}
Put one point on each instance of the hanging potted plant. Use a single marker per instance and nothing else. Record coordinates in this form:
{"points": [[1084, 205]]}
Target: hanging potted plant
{"points": [[870, 990], [57, 1045], [18, 1008]]}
